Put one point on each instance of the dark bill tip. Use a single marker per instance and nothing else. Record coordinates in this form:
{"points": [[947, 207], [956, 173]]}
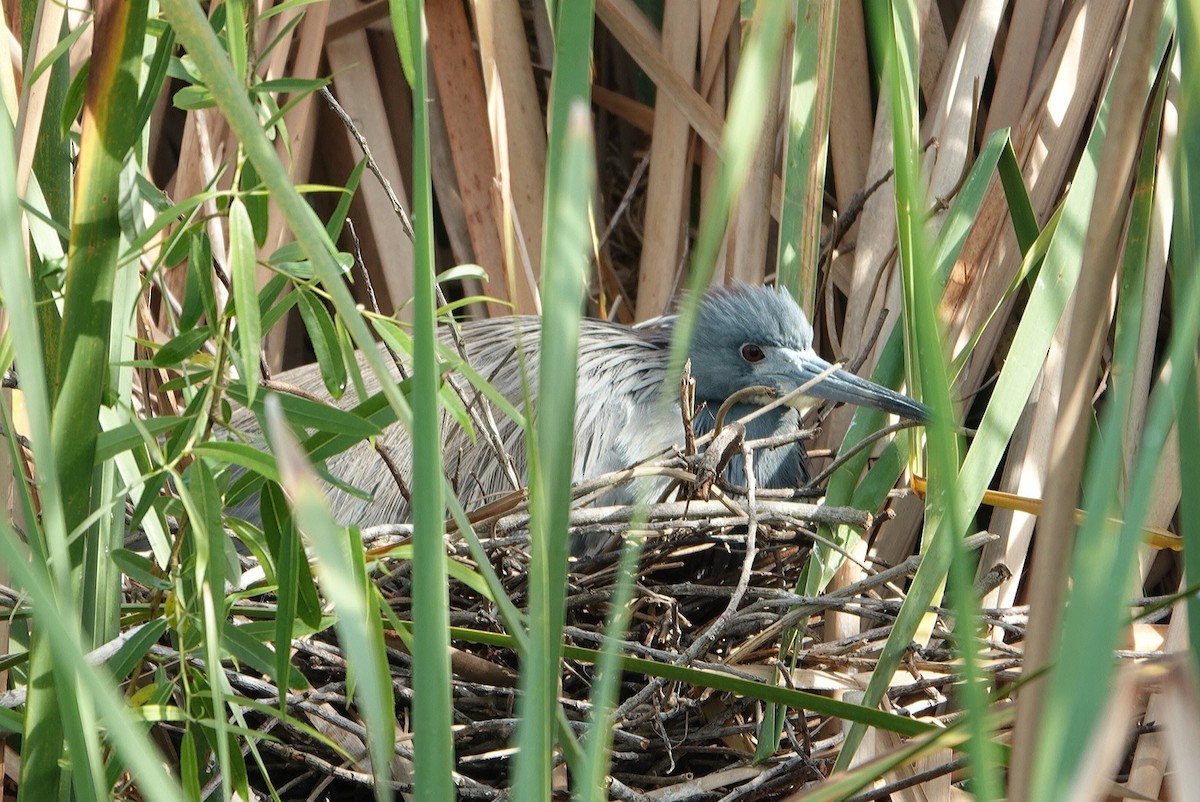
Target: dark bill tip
{"points": [[845, 387]]}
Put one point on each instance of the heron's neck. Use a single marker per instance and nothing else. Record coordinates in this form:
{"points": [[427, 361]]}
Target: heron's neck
{"points": [[780, 467]]}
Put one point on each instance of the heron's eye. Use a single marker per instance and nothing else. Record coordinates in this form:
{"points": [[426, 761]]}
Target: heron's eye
{"points": [[752, 353]]}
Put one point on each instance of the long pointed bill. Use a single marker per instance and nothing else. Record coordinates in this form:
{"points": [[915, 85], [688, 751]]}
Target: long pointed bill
{"points": [[844, 386]]}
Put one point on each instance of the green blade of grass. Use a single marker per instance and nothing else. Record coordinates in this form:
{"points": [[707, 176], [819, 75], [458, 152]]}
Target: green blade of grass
{"points": [[202, 502], [59, 704], [718, 680], [243, 266], [566, 248], [805, 151], [107, 137], [590, 786], [339, 566], [1187, 258], [433, 747], [570, 185]]}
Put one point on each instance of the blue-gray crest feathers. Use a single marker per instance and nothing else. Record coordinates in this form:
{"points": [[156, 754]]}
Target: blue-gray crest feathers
{"points": [[752, 314]]}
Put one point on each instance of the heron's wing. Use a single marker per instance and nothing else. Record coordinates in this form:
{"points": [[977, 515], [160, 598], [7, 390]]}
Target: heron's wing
{"points": [[620, 417], [361, 466], [618, 422], [477, 465], [504, 352]]}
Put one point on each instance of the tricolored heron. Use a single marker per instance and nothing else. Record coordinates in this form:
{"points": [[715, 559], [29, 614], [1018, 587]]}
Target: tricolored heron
{"points": [[744, 337]]}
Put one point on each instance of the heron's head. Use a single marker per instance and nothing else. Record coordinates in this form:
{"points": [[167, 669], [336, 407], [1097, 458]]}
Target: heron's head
{"points": [[747, 336]]}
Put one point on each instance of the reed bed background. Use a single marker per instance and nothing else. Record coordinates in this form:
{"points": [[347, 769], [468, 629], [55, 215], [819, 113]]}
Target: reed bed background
{"points": [[987, 203]]}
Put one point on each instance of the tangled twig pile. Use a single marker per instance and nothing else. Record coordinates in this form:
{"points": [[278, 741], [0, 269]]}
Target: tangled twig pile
{"points": [[671, 739]]}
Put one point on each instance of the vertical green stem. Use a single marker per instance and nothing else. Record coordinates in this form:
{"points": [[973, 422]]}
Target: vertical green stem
{"points": [[570, 182], [433, 745]]}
